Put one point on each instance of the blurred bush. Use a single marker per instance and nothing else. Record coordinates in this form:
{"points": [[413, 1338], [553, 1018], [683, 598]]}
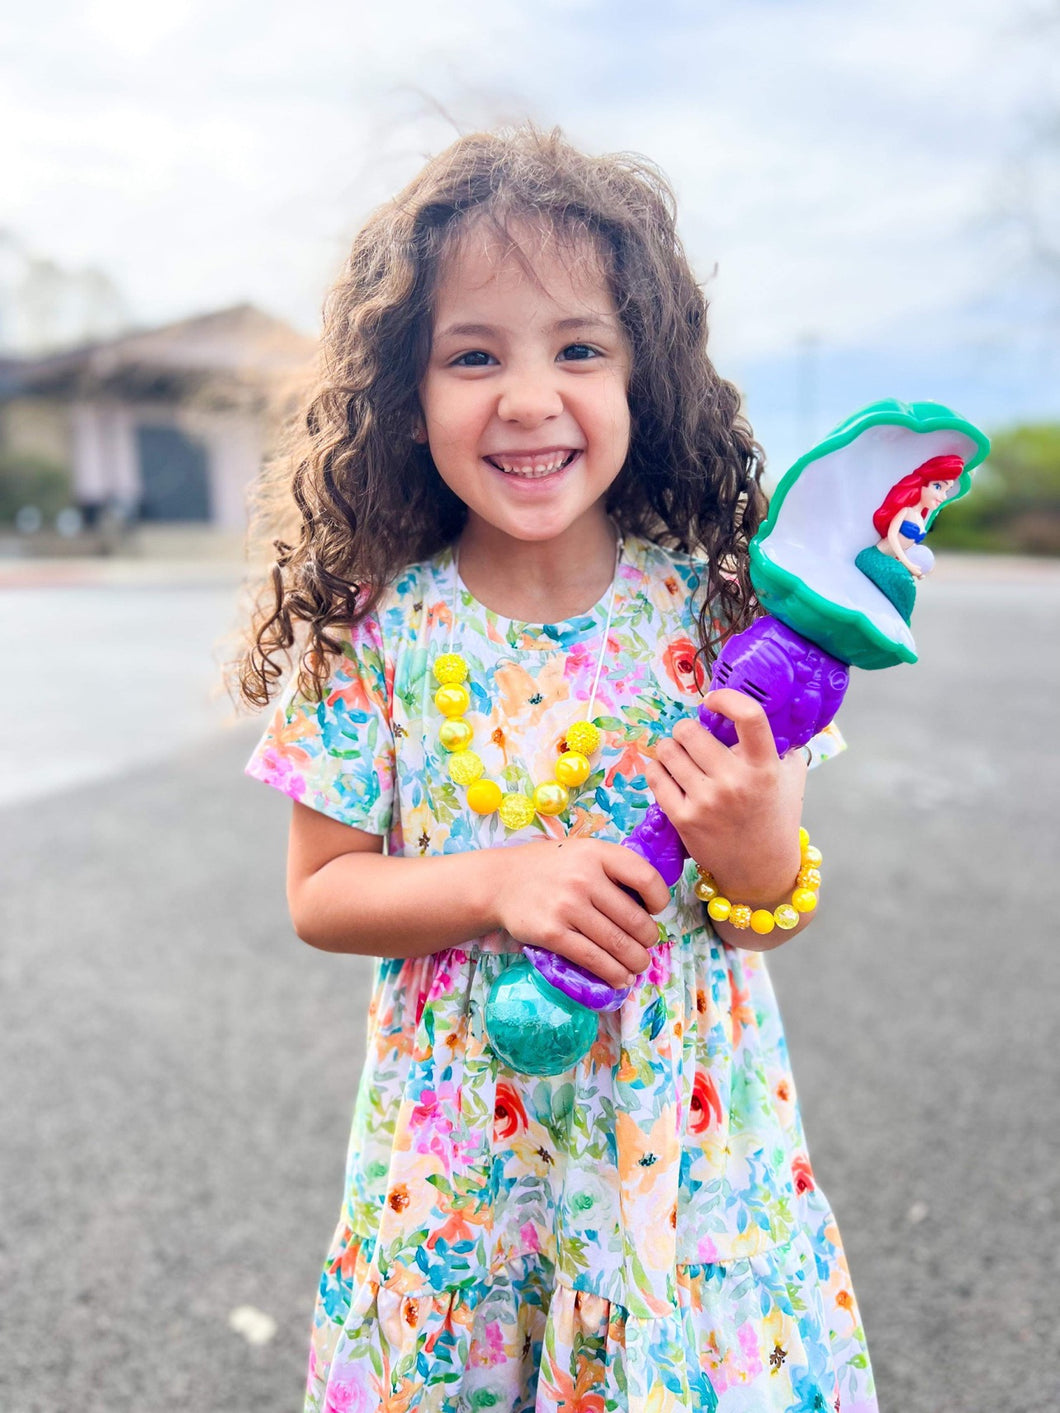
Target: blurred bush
{"points": [[1014, 506], [26, 479]]}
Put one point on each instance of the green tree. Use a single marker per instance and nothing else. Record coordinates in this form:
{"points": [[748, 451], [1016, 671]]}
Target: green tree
{"points": [[1014, 504], [26, 479]]}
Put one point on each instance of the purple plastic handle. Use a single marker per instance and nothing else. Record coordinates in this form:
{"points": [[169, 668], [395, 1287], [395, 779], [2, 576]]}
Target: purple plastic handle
{"points": [[799, 685]]}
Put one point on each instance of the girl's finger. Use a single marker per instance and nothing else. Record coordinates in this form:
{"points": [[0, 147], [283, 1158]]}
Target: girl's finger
{"points": [[629, 870], [626, 913], [668, 794], [753, 731], [587, 953], [705, 750], [684, 767]]}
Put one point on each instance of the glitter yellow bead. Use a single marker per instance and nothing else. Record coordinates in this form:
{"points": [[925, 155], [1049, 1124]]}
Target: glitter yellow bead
{"points": [[551, 798], [452, 700], [484, 796], [450, 667], [572, 768], [516, 810], [455, 734], [583, 737], [785, 916], [466, 767]]}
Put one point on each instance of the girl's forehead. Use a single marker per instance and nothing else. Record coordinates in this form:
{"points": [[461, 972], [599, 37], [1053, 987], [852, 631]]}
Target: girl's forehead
{"points": [[523, 261]]}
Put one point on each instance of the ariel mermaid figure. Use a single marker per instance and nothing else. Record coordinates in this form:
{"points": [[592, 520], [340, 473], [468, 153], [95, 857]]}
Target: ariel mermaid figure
{"points": [[900, 557]]}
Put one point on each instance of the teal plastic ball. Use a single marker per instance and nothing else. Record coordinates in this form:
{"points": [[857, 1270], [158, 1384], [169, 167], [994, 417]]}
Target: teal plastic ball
{"points": [[533, 1027]]}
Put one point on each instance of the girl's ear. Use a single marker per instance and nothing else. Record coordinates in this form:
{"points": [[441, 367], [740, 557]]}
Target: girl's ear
{"points": [[419, 429]]}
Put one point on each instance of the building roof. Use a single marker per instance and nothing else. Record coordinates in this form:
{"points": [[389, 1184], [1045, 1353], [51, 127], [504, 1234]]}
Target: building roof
{"points": [[237, 348]]}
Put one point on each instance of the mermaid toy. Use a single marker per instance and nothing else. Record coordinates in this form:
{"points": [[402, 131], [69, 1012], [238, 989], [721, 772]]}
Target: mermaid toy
{"points": [[831, 602]]}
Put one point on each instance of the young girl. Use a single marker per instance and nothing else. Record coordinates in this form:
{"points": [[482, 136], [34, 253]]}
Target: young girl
{"points": [[524, 498]]}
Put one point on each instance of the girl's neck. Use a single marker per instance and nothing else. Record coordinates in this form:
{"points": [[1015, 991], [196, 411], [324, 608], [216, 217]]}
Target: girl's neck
{"points": [[538, 581]]}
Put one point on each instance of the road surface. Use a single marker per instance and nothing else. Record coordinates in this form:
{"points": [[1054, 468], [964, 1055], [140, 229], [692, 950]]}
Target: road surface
{"points": [[179, 1070]]}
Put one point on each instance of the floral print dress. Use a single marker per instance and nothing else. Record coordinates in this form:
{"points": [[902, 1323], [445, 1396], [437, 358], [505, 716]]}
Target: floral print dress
{"points": [[642, 1233]]}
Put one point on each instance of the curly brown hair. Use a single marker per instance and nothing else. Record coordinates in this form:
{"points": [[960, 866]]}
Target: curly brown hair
{"points": [[361, 494]]}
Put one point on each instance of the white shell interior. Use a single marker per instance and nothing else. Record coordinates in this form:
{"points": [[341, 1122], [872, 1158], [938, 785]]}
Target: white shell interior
{"points": [[826, 518]]}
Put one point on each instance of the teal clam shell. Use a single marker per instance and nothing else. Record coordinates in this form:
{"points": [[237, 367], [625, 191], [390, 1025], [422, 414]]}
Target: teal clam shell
{"points": [[820, 518]]}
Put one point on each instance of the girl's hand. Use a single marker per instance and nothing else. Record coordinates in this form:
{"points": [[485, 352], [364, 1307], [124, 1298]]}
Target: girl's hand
{"points": [[569, 896], [737, 809]]}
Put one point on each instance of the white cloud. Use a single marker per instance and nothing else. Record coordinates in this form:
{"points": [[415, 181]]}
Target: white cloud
{"points": [[836, 161]]}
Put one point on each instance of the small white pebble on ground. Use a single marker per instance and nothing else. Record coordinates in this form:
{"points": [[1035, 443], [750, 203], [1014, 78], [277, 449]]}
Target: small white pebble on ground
{"points": [[254, 1325], [916, 1214]]}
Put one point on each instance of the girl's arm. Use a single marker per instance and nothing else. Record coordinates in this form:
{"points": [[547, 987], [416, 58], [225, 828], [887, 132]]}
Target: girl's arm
{"points": [[737, 809], [345, 895]]}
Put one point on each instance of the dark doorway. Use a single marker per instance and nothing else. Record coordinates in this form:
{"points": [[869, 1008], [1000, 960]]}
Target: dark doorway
{"points": [[174, 478]]}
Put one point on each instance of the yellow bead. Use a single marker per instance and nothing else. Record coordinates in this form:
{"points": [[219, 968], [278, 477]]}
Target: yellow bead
{"points": [[719, 909], [551, 798], [450, 667], [583, 738], [572, 769], [516, 810], [762, 922], [813, 857], [466, 767], [804, 840], [455, 734], [785, 917], [740, 915], [705, 889], [452, 700], [808, 878], [804, 900], [484, 795]]}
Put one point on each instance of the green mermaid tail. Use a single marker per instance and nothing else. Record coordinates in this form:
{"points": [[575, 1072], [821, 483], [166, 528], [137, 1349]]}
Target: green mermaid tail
{"points": [[890, 577]]}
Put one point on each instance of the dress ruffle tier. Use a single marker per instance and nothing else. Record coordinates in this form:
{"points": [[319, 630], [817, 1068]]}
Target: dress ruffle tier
{"points": [[518, 1247]]}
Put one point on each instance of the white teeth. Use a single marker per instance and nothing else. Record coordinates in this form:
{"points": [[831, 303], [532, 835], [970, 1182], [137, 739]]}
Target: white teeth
{"points": [[537, 469]]}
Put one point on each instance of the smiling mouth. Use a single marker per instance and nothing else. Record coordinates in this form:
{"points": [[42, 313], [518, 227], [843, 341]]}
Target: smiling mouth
{"points": [[533, 465]]}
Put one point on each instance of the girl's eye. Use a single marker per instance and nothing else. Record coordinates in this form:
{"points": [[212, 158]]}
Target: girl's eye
{"points": [[578, 352], [476, 358]]}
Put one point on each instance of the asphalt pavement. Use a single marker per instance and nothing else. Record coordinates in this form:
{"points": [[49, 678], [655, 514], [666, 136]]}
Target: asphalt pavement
{"points": [[179, 1070]]}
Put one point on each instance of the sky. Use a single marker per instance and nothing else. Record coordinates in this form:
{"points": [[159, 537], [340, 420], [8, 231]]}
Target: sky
{"points": [[861, 185]]}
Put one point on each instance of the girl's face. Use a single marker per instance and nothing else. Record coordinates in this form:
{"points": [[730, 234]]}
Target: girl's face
{"points": [[524, 398]]}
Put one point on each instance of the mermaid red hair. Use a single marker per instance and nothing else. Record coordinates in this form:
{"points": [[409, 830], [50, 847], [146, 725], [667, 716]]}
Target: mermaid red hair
{"points": [[907, 491]]}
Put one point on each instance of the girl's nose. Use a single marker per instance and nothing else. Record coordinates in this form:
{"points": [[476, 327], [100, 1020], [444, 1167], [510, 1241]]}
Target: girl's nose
{"points": [[529, 399]]}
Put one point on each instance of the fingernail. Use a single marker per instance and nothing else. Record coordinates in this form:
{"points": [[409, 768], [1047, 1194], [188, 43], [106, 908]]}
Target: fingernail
{"points": [[631, 980]]}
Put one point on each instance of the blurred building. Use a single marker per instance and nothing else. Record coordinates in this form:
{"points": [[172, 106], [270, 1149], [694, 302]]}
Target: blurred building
{"points": [[164, 425]]}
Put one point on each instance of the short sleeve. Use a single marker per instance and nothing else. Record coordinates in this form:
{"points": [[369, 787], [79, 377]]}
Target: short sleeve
{"points": [[337, 755], [825, 745]]}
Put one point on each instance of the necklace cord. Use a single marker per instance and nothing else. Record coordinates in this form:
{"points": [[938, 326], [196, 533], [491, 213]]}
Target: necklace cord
{"points": [[619, 547], [607, 629]]}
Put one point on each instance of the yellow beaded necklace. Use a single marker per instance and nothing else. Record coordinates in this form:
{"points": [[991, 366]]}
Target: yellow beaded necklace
{"points": [[466, 767]]}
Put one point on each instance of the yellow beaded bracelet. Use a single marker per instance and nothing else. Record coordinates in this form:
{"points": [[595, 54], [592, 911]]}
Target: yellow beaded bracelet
{"points": [[761, 920]]}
